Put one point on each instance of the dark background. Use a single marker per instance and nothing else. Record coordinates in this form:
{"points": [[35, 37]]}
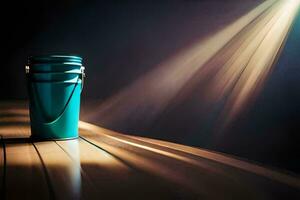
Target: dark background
{"points": [[122, 40]]}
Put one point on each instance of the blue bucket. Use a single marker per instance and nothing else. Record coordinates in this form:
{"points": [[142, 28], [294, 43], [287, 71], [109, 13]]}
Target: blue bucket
{"points": [[54, 84]]}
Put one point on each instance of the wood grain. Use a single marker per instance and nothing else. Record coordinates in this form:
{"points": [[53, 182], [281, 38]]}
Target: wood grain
{"points": [[25, 177]]}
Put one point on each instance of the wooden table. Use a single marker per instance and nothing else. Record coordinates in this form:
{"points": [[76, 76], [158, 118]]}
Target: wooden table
{"points": [[103, 164]]}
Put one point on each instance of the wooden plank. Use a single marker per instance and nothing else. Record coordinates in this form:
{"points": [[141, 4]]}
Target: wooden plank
{"points": [[112, 177], [65, 174], [90, 155], [205, 177], [14, 121], [102, 170], [150, 176], [25, 178], [2, 169]]}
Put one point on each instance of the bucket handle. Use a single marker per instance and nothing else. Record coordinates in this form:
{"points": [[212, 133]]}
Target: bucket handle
{"points": [[82, 76]]}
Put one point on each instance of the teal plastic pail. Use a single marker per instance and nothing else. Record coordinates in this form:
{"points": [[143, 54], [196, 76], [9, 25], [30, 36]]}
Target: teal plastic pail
{"points": [[54, 84]]}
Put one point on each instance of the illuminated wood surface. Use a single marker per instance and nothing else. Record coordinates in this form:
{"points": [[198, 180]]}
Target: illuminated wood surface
{"points": [[103, 164]]}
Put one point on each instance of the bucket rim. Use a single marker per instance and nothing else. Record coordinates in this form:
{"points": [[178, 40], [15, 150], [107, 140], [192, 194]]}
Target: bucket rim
{"points": [[54, 58], [42, 64]]}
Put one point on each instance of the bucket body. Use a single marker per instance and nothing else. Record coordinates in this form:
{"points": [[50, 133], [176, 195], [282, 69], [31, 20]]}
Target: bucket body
{"points": [[54, 87]]}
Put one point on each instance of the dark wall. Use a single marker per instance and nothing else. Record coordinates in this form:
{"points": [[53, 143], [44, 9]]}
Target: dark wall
{"points": [[119, 40]]}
